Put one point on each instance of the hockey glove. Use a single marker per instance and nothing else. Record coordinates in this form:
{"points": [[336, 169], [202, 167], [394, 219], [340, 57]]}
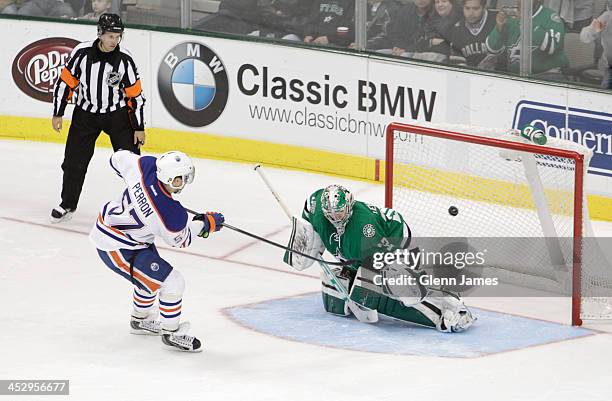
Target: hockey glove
{"points": [[303, 239], [213, 221]]}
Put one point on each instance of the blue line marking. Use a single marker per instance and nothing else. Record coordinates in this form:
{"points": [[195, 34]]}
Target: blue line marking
{"points": [[303, 319]]}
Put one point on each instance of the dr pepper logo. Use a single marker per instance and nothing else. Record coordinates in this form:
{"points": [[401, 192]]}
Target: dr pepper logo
{"points": [[39, 65]]}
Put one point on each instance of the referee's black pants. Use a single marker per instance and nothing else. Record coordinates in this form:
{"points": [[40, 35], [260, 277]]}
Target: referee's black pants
{"points": [[84, 130]]}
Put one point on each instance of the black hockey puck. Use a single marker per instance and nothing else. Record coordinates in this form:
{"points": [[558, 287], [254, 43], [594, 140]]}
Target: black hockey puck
{"points": [[453, 211]]}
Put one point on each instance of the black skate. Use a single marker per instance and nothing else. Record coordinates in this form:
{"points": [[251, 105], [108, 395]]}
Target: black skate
{"points": [[179, 340], [145, 327], [59, 214]]}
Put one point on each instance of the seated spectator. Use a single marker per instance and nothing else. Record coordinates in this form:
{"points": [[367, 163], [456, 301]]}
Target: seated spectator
{"points": [[438, 31], [426, 29], [234, 16], [115, 7], [331, 22], [9, 6], [576, 14], [98, 8], [469, 35], [282, 19], [548, 33], [50, 8], [601, 29], [380, 13], [407, 32]]}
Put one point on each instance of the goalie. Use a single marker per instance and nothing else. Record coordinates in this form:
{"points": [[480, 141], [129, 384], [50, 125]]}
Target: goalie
{"points": [[333, 220]]}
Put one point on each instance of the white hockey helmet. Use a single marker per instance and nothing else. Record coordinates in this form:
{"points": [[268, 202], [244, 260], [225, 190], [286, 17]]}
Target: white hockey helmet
{"points": [[337, 204], [175, 164]]}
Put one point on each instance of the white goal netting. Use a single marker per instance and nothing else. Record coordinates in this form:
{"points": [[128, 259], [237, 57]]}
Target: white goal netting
{"points": [[513, 195]]}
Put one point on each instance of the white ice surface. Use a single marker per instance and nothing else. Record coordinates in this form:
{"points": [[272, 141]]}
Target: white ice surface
{"points": [[65, 315]]}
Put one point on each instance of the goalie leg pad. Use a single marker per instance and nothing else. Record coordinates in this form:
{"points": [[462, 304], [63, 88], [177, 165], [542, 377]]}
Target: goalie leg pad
{"points": [[452, 314], [395, 281], [332, 299], [391, 307], [373, 296], [303, 239]]}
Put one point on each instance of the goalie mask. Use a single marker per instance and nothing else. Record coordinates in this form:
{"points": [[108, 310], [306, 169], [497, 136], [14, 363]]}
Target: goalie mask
{"points": [[337, 204], [175, 164]]}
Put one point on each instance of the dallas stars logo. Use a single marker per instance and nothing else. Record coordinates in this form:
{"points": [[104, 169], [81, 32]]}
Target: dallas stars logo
{"points": [[369, 231]]}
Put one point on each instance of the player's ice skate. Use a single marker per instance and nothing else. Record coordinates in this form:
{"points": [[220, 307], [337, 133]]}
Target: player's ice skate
{"points": [[179, 340], [145, 326], [59, 214]]}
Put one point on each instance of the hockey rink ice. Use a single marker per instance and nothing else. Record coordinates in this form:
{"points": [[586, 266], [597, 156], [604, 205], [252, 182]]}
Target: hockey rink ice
{"points": [[265, 333]]}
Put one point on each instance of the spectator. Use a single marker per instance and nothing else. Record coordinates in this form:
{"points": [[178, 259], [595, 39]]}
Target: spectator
{"points": [[575, 13], [98, 8], [9, 6], [548, 33], [469, 35], [408, 31], [234, 16], [438, 30], [380, 14], [50, 8], [331, 22], [282, 19], [601, 29]]}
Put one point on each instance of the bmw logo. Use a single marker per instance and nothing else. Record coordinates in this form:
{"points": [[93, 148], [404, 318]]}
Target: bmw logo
{"points": [[193, 84]]}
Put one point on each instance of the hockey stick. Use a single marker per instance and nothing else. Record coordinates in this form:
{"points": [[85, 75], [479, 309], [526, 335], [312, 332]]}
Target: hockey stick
{"points": [[267, 241], [362, 313], [276, 195]]}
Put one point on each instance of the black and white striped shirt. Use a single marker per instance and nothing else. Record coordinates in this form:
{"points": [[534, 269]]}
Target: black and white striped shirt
{"points": [[103, 81]]}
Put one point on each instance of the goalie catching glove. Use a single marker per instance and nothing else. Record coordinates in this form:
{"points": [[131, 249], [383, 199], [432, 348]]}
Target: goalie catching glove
{"points": [[303, 239], [213, 222]]}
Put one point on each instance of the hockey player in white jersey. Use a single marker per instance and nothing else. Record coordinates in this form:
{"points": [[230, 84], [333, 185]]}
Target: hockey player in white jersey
{"points": [[125, 231]]}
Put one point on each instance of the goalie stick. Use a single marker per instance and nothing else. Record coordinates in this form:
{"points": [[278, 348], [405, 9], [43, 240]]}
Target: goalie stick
{"points": [[362, 313], [267, 241]]}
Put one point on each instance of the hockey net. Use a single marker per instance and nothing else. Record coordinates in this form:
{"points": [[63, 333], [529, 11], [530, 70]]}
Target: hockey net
{"points": [[505, 187]]}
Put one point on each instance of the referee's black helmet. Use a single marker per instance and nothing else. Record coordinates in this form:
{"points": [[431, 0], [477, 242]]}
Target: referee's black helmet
{"points": [[110, 23]]}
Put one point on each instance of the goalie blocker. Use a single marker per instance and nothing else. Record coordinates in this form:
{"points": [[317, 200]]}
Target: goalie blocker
{"points": [[414, 304]]}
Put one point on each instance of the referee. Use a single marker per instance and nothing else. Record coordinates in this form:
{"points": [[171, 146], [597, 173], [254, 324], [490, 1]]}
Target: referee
{"points": [[108, 98]]}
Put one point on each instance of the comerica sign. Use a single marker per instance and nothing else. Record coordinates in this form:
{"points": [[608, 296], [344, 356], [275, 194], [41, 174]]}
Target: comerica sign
{"points": [[588, 128]]}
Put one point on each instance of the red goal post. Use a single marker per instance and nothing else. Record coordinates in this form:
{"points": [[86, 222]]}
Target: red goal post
{"points": [[417, 153]]}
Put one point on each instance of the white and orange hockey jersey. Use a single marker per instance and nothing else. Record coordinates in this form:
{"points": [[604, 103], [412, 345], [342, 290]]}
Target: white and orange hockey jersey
{"points": [[144, 212]]}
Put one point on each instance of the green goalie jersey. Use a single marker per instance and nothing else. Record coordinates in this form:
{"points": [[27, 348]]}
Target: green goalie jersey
{"points": [[548, 34], [370, 229]]}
